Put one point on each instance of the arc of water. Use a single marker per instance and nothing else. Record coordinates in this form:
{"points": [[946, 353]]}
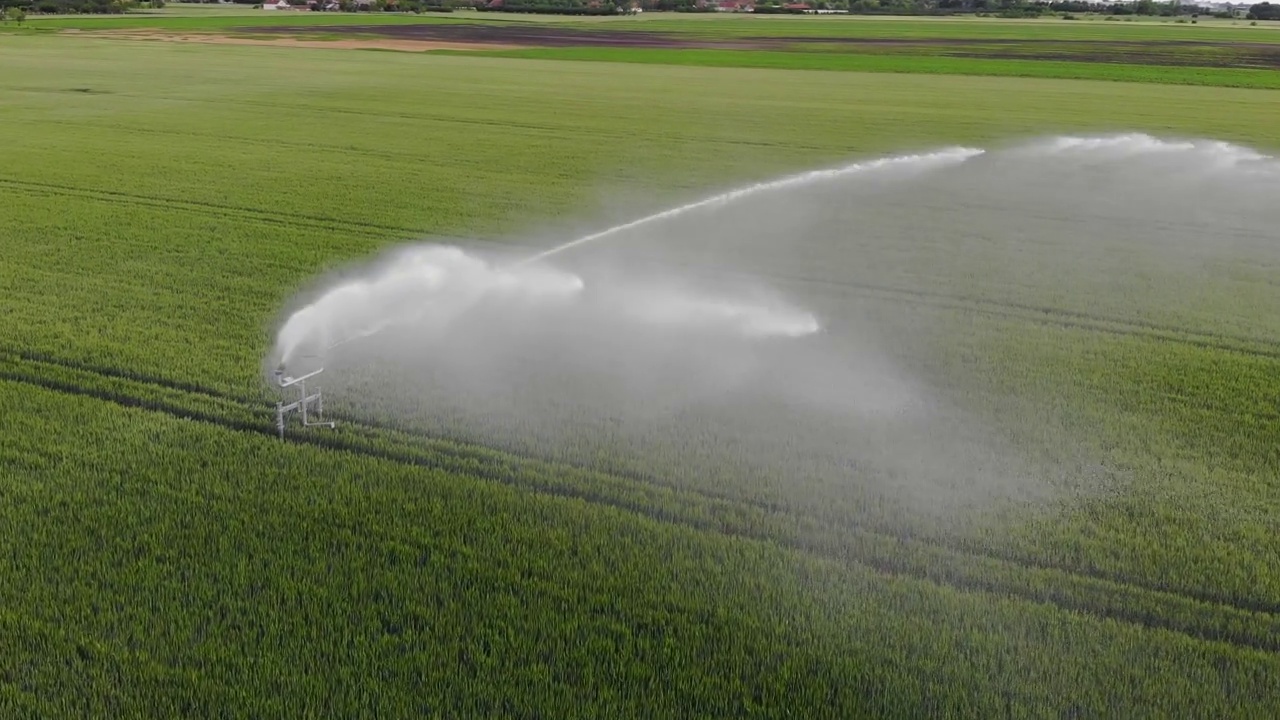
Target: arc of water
{"points": [[1231, 155], [942, 157], [947, 156]]}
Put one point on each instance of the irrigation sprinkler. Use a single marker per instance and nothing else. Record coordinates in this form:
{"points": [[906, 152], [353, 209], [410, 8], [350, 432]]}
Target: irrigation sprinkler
{"points": [[301, 404]]}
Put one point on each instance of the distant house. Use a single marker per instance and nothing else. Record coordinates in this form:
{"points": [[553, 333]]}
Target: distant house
{"points": [[797, 7], [736, 6], [1239, 9], [277, 5]]}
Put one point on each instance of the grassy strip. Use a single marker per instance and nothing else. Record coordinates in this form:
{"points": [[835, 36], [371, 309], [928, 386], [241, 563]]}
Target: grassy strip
{"points": [[764, 59], [927, 28]]}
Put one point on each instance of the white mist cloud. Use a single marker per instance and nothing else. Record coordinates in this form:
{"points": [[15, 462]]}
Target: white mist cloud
{"points": [[808, 341], [423, 291]]}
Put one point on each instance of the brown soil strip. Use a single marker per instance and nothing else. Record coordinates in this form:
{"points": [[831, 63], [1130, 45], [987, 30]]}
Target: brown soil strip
{"points": [[522, 34], [344, 44]]}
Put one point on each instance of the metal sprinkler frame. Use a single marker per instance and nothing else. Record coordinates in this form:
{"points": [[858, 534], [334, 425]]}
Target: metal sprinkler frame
{"points": [[302, 402]]}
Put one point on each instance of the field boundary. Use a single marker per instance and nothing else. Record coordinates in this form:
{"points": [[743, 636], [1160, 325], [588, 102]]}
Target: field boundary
{"points": [[228, 36]]}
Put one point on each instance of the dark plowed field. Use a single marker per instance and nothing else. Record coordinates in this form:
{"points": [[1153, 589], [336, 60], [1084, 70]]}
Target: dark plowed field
{"points": [[1177, 53], [523, 34]]}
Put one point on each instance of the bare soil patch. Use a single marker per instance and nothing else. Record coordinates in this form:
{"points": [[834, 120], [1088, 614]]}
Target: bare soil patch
{"points": [[521, 34], [494, 35], [372, 43]]}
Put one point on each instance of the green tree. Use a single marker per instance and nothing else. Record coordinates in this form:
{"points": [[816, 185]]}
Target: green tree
{"points": [[20, 14], [1264, 11]]}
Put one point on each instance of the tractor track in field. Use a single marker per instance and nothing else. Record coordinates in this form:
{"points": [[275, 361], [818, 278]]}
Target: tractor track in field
{"points": [[330, 148], [209, 208], [1106, 584], [946, 577], [557, 131], [1067, 319], [1040, 314]]}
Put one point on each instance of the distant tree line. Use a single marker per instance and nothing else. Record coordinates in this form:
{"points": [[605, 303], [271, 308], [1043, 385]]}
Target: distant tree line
{"points": [[556, 7], [73, 7], [413, 6], [1000, 8], [14, 13], [1264, 11], [1025, 8]]}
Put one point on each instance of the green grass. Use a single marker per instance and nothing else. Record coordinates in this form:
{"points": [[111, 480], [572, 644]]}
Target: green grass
{"points": [[1222, 77], [717, 25], [167, 557]]}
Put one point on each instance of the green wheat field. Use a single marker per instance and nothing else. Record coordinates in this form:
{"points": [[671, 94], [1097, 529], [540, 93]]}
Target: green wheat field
{"points": [[165, 555]]}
